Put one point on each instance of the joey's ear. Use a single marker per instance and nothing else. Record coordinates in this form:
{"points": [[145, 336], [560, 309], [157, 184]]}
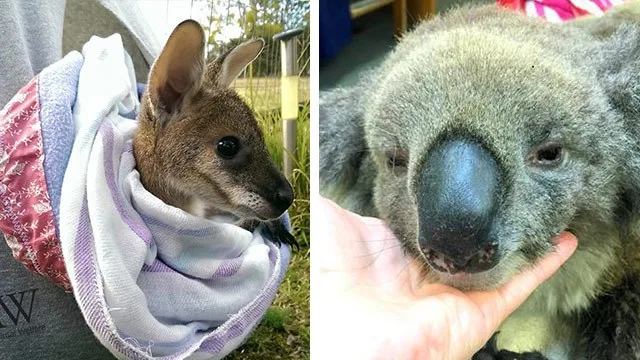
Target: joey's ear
{"points": [[231, 64], [179, 70]]}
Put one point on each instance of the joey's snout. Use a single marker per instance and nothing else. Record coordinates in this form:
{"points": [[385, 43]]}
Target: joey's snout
{"points": [[269, 198], [282, 196], [276, 197], [458, 199]]}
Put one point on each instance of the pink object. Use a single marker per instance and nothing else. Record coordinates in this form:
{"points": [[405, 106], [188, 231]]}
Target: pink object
{"points": [[27, 219], [560, 10]]}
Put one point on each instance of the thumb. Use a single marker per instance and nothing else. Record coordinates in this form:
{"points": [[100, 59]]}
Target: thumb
{"points": [[497, 305]]}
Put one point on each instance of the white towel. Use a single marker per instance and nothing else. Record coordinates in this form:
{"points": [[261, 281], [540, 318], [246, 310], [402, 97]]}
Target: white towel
{"points": [[152, 281]]}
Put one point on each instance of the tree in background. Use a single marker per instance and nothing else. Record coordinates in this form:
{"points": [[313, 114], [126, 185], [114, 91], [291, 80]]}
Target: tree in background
{"points": [[257, 18]]}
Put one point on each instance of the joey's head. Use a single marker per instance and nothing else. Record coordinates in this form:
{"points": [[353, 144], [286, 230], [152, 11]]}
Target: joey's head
{"points": [[486, 147], [198, 145]]}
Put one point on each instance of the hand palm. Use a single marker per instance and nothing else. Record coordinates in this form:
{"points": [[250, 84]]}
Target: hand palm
{"points": [[372, 303]]}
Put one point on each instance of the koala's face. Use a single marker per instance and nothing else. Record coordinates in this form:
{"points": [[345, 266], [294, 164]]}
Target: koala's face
{"points": [[485, 150]]}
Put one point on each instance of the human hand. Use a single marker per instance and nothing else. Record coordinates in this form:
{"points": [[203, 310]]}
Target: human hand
{"points": [[367, 304]]}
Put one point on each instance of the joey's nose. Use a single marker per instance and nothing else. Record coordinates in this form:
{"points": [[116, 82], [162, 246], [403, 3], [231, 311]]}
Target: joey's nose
{"points": [[283, 197], [457, 204]]}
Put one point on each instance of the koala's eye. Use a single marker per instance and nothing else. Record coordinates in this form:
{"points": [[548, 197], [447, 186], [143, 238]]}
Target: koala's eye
{"points": [[547, 155], [396, 158], [228, 147]]}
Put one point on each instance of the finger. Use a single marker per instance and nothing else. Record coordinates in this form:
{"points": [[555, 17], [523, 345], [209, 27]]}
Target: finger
{"points": [[341, 238], [497, 305], [362, 246], [329, 244]]}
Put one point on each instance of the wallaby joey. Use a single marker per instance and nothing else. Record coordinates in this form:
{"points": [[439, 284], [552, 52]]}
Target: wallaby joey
{"points": [[198, 146], [483, 135]]}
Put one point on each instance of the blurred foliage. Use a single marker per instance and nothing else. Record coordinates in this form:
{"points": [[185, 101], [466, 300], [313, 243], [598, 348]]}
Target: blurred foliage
{"points": [[258, 19]]}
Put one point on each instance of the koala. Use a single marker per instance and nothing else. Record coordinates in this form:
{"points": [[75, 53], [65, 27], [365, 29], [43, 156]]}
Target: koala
{"points": [[484, 134]]}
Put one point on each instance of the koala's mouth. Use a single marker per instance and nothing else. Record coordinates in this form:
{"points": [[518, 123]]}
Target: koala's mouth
{"points": [[482, 260]]}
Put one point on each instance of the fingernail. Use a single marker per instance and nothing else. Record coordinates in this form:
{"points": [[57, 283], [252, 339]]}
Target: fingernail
{"points": [[562, 237], [566, 241]]}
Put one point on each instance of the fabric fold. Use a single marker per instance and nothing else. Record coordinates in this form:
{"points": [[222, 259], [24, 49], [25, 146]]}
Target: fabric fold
{"points": [[152, 281]]}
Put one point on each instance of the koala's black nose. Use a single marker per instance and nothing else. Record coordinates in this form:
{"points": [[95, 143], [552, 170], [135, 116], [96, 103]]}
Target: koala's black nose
{"points": [[283, 196], [457, 202]]}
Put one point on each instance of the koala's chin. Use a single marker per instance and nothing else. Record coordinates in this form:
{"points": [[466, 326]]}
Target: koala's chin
{"points": [[507, 267]]}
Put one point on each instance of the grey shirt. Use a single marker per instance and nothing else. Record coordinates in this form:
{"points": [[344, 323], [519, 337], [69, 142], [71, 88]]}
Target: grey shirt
{"points": [[37, 319]]}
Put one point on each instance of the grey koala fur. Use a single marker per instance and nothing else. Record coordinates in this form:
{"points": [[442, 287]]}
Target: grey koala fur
{"points": [[345, 129], [511, 83]]}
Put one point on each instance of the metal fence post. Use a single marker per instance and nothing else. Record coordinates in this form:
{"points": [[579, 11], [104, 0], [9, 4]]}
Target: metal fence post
{"points": [[289, 95]]}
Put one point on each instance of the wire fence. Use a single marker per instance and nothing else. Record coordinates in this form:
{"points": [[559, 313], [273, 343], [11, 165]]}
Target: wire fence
{"points": [[231, 22]]}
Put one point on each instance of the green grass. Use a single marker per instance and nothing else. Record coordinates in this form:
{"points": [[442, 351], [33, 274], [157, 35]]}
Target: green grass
{"points": [[263, 93], [284, 333]]}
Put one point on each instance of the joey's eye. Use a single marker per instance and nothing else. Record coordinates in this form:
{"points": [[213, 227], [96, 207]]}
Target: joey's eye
{"points": [[396, 158], [547, 155], [228, 147]]}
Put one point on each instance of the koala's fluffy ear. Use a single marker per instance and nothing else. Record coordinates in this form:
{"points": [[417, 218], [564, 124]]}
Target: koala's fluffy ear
{"points": [[179, 70], [346, 170], [231, 64], [619, 71], [607, 25]]}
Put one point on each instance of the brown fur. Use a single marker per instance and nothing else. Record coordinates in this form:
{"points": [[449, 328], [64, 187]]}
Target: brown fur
{"points": [[187, 108]]}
